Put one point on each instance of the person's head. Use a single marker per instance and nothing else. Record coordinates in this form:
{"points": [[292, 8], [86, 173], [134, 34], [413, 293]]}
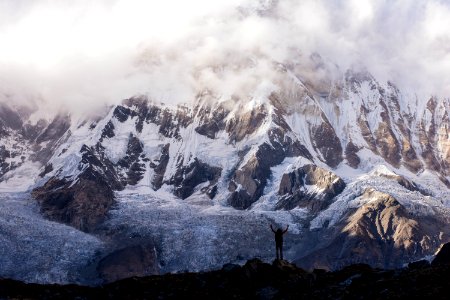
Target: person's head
{"points": [[279, 230]]}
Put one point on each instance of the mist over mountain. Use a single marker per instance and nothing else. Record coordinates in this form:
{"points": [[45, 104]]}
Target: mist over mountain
{"points": [[83, 54], [141, 138]]}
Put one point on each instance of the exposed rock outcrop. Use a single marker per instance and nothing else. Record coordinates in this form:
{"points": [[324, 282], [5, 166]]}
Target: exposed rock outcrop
{"points": [[94, 165], [246, 123], [309, 186], [11, 158], [131, 261], [381, 233], [407, 184], [132, 165], [248, 182], [51, 137], [351, 155], [387, 142], [188, 177], [108, 131], [327, 143], [169, 122], [159, 166], [83, 204], [211, 120]]}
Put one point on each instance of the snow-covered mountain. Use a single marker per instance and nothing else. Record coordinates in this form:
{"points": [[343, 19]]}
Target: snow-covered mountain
{"points": [[359, 169]]}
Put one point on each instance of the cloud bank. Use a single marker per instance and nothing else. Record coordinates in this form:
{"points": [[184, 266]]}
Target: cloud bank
{"points": [[82, 54]]}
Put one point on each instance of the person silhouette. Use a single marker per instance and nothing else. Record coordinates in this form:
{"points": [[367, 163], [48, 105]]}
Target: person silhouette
{"points": [[279, 240]]}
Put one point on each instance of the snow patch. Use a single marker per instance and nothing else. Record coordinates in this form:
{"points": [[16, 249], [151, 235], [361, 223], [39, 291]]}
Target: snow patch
{"points": [[21, 179]]}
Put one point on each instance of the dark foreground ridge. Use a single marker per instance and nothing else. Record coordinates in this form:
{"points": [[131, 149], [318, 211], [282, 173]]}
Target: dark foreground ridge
{"points": [[258, 280]]}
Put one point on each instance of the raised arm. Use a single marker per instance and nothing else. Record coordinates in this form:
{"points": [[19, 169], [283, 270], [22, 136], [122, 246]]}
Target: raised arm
{"points": [[287, 227], [272, 228]]}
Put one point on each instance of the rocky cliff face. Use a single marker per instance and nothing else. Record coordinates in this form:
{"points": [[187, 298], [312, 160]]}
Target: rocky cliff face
{"points": [[382, 233], [309, 186], [23, 142], [300, 148], [83, 204], [259, 137]]}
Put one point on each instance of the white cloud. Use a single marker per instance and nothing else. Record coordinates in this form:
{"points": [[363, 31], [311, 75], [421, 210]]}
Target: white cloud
{"points": [[82, 53]]}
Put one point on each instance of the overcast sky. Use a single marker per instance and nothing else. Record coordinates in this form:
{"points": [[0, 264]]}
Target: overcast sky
{"points": [[80, 53]]}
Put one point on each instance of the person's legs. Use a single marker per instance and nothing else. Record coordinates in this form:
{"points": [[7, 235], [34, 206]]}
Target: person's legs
{"points": [[281, 252], [277, 247]]}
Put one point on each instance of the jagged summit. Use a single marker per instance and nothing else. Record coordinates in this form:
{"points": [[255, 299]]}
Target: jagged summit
{"points": [[320, 155]]}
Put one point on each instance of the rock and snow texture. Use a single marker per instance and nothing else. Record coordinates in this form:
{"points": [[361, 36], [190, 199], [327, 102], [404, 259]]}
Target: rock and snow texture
{"points": [[227, 149], [37, 250], [307, 154]]}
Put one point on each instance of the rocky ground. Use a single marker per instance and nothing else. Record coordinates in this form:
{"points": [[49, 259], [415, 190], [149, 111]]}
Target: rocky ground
{"points": [[258, 280]]}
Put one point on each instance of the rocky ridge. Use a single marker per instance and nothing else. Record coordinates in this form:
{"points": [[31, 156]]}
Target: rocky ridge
{"points": [[301, 149], [258, 280]]}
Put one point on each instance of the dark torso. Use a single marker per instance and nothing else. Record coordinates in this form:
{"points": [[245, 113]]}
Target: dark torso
{"points": [[279, 238]]}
